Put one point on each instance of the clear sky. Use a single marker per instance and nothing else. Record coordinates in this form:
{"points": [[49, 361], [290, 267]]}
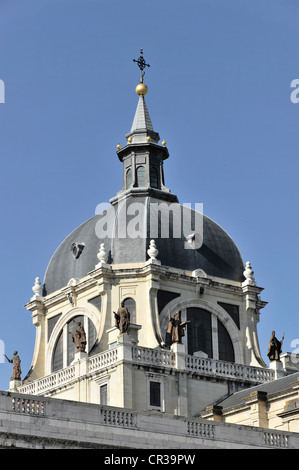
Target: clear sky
{"points": [[219, 94]]}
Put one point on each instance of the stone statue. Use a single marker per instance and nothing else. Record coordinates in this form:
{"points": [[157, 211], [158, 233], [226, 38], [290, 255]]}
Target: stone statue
{"points": [[79, 338], [175, 329], [274, 347], [16, 368], [122, 319]]}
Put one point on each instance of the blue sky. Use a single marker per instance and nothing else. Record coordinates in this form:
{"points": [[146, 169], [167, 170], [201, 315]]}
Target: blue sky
{"points": [[219, 94]]}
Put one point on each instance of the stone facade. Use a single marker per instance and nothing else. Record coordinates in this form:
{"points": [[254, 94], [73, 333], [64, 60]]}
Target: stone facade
{"points": [[126, 364], [29, 421]]}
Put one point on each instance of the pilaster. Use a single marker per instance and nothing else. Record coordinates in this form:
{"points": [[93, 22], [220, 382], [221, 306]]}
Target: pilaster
{"points": [[277, 366], [14, 385], [258, 409]]}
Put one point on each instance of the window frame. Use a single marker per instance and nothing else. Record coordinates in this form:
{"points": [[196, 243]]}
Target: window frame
{"points": [[151, 377]]}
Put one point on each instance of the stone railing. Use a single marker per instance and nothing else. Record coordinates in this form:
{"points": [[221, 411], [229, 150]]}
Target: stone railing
{"points": [[68, 374], [103, 359], [28, 406], [118, 422], [276, 439], [198, 429], [148, 356], [153, 356], [213, 367], [118, 418], [40, 386]]}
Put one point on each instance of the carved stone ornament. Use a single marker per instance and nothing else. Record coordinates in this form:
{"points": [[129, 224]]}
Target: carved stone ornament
{"points": [[102, 254], [76, 249], [248, 273], [37, 288], [152, 251]]}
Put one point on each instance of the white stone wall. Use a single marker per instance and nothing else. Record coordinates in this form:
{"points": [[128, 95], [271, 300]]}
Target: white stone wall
{"points": [[34, 421]]}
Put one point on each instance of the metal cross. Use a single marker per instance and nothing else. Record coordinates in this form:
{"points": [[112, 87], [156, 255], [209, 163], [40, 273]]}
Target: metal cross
{"points": [[141, 64]]}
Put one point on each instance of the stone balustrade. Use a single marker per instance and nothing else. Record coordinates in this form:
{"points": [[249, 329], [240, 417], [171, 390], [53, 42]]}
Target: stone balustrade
{"points": [[28, 406], [276, 439], [153, 356], [213, 367], [33, 421], [148, 356]]}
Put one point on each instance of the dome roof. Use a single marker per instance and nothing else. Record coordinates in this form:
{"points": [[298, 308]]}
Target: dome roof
{"points": [[129, 230], [140, 213]]}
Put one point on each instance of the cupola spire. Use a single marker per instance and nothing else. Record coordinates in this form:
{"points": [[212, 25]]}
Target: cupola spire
{"points": [[142, 129], [143, 157]]}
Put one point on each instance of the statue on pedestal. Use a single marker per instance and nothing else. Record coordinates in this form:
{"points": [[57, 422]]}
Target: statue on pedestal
{"points": [[274, 347], [175, 329], [79, 338], [122, 319], [16, 368]]}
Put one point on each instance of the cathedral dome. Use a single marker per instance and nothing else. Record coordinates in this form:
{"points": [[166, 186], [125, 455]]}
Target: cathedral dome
{"points": [[127, 238], [180, 241]]}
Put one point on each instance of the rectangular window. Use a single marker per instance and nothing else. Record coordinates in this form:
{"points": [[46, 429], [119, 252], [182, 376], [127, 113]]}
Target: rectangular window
{"points": [[104, 394], [155, 394]]}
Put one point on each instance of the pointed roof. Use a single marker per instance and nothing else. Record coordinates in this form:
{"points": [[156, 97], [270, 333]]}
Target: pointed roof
{"points": [[142, 127], [142, 118]]}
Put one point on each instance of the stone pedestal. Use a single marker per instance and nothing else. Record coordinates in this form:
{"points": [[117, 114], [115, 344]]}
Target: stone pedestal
{"points": [[14, 385], [113, 334], [178, 348], [180, 354], [81, 364], [79, 356], [277, 366]]}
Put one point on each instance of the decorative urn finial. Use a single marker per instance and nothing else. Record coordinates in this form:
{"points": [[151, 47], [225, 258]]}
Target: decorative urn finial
{"points": [[248, 273], [37, 289], [152, 251]]}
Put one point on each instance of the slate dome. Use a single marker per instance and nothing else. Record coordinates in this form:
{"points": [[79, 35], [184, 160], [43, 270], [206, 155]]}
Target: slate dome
{"points": [[76, 256], [143, 184]]}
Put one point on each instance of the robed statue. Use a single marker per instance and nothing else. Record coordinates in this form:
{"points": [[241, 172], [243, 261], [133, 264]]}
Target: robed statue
{"points": [[16, 368], [122, 318], [79, 337], [175, 329], [274, 347]]}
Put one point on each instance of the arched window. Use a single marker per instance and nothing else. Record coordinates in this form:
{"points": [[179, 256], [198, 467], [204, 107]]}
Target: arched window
{"points": [[130, 304], [217, 345], [225, 345], [141, 176], [199, 331], [65, 349], [129, 178], [154, 177], [57, 359]]}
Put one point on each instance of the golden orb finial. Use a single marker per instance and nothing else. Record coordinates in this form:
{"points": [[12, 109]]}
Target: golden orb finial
{"points": [[163, 143], [141, 89], [118, 146]]}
